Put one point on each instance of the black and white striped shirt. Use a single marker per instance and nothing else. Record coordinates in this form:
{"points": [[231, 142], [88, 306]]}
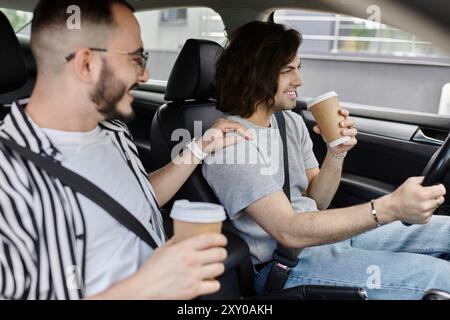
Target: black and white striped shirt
{"points": [[42, 227]]}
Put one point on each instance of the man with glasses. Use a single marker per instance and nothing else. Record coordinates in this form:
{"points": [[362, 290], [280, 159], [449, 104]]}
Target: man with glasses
{"points": [[56, 243], [141, 56]]}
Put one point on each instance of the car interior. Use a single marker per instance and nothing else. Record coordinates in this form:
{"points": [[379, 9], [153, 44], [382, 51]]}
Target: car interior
{"points": [[392, 144]]}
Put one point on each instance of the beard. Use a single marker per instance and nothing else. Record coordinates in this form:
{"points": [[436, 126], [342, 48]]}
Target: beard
{"points": [[108, 92], [282, 106]]}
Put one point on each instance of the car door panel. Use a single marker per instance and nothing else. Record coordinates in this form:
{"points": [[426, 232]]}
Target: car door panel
{"points": [[355, 189], [392, 146], [378, 127]]}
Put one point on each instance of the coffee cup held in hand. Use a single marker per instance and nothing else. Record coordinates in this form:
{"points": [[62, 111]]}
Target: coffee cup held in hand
{"points": [[194, 218], [325, 110]]}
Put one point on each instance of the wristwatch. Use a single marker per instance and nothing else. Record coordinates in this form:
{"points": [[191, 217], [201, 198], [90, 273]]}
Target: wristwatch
{"points": [[196, 151]]}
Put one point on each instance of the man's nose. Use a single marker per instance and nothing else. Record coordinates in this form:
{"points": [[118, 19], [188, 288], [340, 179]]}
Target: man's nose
{"points": [[145, 76], [298, 81]]}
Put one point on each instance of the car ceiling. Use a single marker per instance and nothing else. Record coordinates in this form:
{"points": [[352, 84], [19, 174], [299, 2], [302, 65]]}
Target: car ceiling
{"points": [[428, 19]]}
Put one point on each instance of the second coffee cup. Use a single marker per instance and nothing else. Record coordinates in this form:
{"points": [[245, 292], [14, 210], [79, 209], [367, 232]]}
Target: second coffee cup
{"points": [[194, 218], [325, 110]]}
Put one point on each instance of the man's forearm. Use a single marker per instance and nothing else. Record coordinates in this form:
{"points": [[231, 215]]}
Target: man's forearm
{"points": [[169, 179], [330, 226], [125, 289], [323, 187]]}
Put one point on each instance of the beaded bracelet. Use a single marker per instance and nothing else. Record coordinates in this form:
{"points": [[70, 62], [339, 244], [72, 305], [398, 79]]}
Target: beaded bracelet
{"points": [[374, 213]]}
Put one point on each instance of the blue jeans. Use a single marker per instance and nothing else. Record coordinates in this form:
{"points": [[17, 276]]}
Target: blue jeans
{"points": [[390, 262]]}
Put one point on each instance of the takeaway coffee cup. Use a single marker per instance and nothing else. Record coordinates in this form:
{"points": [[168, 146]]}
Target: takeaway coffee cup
{"points": [[193, 218], [325, 110]]}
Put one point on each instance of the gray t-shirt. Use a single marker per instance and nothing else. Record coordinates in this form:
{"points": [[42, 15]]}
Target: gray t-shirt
{"points": [[250, 170]]}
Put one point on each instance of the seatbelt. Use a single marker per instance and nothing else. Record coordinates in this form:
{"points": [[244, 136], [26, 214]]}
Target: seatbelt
{"points": [[284, 259], [85, 187]]}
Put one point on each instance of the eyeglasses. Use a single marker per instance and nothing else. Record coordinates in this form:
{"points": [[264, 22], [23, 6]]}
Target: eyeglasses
{"points": [[140, 53]]}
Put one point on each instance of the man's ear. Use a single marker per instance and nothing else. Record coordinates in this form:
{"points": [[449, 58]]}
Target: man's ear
{"points": [[86, 65]]}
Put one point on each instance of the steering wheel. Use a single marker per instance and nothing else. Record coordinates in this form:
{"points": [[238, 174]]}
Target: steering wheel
{"points": [[438, 165]]}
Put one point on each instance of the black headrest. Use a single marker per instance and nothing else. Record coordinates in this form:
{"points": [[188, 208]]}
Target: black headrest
{"points": [[13, 73], [192, 76]]}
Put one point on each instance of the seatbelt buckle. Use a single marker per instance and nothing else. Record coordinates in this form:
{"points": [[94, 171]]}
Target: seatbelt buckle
{"points": [[279, 273], [285, 262], [277, 277], [282, 267]]}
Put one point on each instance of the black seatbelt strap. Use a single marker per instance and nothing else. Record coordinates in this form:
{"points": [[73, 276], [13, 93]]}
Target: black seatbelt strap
{"points": [[85, 187], [284, 259], [282, 128]]}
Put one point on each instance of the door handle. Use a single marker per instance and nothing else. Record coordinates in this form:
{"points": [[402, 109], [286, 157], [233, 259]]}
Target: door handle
{"points": [[419, 136]]}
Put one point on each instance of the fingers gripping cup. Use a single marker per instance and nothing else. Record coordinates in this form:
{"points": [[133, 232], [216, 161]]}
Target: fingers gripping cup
{"points": [[325, 110], [194, 218]]}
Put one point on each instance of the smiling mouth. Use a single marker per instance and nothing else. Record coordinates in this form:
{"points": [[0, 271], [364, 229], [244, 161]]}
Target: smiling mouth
{"points": [[292, 94], [133, 87]]}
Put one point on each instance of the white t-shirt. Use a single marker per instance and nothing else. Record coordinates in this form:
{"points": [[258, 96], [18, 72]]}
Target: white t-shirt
{"points": [[112, 251]]}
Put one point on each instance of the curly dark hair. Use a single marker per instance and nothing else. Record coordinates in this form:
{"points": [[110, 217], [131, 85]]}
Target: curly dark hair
{"points": [[247, 70]]}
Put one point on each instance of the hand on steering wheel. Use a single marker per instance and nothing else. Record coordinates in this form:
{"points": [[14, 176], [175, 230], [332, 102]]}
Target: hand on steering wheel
{"points": [[437, 167]]}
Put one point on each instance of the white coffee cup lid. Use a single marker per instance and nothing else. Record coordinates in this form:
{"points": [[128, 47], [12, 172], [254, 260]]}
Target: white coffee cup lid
{"points": [[338, 141], [200, 212], [321, 98]]}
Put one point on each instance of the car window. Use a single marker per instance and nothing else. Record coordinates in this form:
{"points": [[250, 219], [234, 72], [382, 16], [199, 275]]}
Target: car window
{"points": [[164, 33], [398, 69], [18, 19]]}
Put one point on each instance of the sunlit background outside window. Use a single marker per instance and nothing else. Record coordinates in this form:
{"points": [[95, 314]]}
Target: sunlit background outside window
{"points": [[368, 63], [18, 19], [338, 34]]}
